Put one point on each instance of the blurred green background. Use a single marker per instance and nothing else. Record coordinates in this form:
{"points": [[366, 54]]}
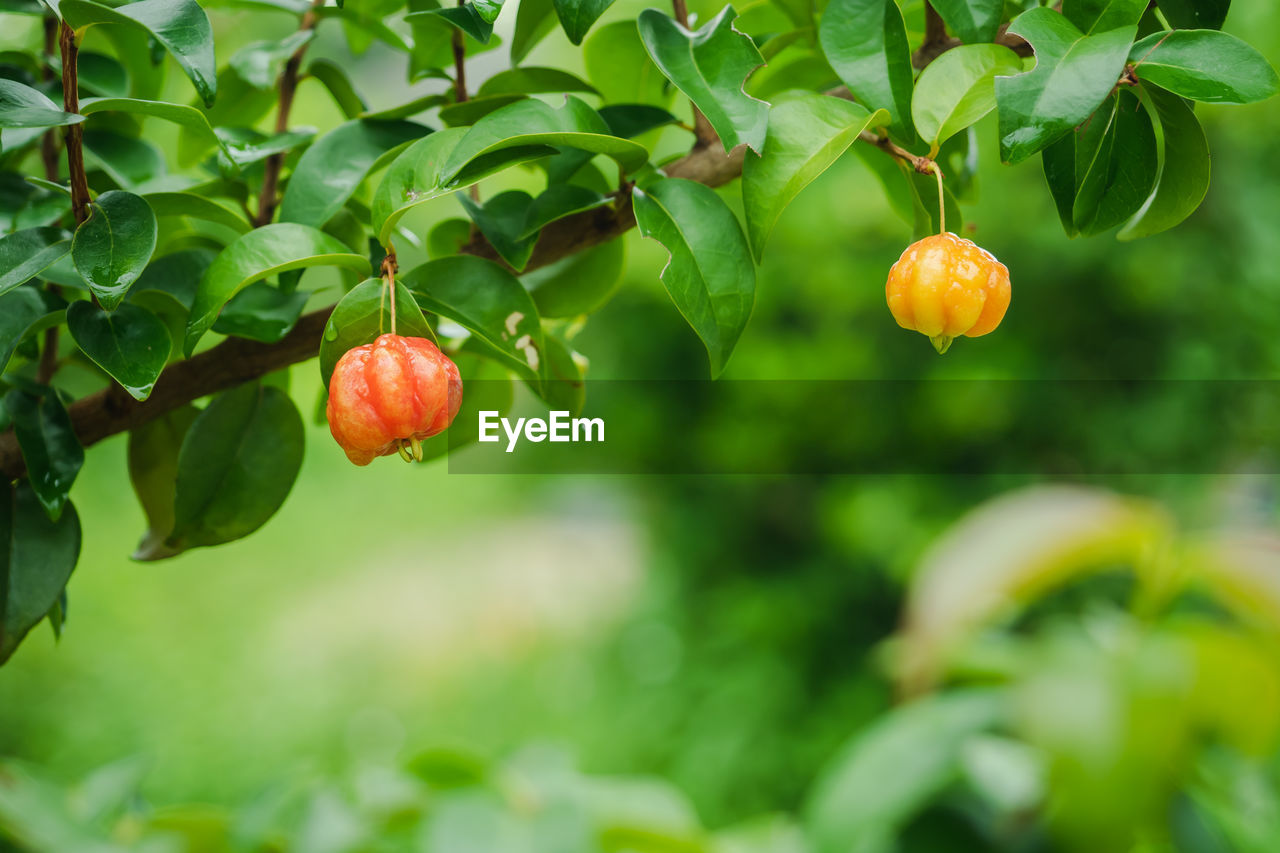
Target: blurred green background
{"points": [[722, 633]]}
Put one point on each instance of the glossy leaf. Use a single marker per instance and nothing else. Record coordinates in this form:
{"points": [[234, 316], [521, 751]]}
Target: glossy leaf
{"points": [[153, 470], [181, 26], [422, 172], [407, 109], [364, 314], [263, 252], [130, 343], [1205, 65], [23, 312], [197, 207], [618, 65], [486, 300], [529, 122], [176, 275], [1196, 14], [1184, 166], [577, 16], [710, 66], [36, 561], [334, 166], [472, 110], [534, 20], [579, 284], [49, 445], [244, 147], [260, 63], [465, 17], [22, 106], [557, 202], [487, 9], [25, 254], [530, 80], [866, 43], [1074, 73], [1098, 16], [501, 220], [807, 133], [565, 388], [112, 247], [261, 312], [710, 276], [237, 464], [128, 160], [334, 77], [958, 89], [972, 21]]}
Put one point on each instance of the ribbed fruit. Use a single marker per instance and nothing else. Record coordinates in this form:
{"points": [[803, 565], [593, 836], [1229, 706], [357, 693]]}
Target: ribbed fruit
{"points": [[385, 397], [945, 286]]}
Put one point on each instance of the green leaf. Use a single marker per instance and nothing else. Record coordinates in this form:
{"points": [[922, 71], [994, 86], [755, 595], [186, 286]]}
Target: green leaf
{"points": [[1098, 16], [98, 74], [25, 254], [181, 26], [237, 464], [153, 471], [127, 160], [486, 300], [408, 109], [364, 314], [130, 343], [260, 63], [529, 123], [49, 445], [1183, 164], [1195, 14], [807, 134], [465, 17], [334, 78], [364, 19], [557, 202], [197, 207], [863, 796], [531, 80], [972, 21], [958, 88], [710, 275], [261, 253], [24, 312], [35, 563], [565, 388], [577, 16], [1101, 174], [710, 65], [335, 165], [1074, 73], [112, 247], [22, 106], [472, 110], [177, 276], [631, 120], [501, 220], [244, 147], [261, 312], [618, 65], [866, 43], [487, 9], [578, 284], [1205, 65], [422, 172], [533, 22]]}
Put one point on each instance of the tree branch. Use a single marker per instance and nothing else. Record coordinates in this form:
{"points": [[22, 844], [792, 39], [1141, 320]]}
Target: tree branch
{"points": [[75, 132], [268, 200]]}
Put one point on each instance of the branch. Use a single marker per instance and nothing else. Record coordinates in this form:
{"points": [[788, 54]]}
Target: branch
{"points": [[75, 132], [702, 130], [459, 65], [267, 201]]}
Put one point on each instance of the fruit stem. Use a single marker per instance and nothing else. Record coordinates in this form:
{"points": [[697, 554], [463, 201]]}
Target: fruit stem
{"points": [[942, 200], [941, 343]]}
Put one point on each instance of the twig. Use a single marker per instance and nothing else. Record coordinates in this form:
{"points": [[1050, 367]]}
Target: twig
{"points": [[75, 133], [49, 141], [268, 200], [459, 65]]}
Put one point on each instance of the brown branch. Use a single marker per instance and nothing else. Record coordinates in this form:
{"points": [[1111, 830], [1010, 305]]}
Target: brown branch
{"points": [[268, 199], [75, 133], [459, 65], [49, 141]]}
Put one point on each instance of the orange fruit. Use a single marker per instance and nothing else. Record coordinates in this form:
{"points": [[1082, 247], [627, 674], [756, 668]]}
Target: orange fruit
{"points": [[945, 286]]}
